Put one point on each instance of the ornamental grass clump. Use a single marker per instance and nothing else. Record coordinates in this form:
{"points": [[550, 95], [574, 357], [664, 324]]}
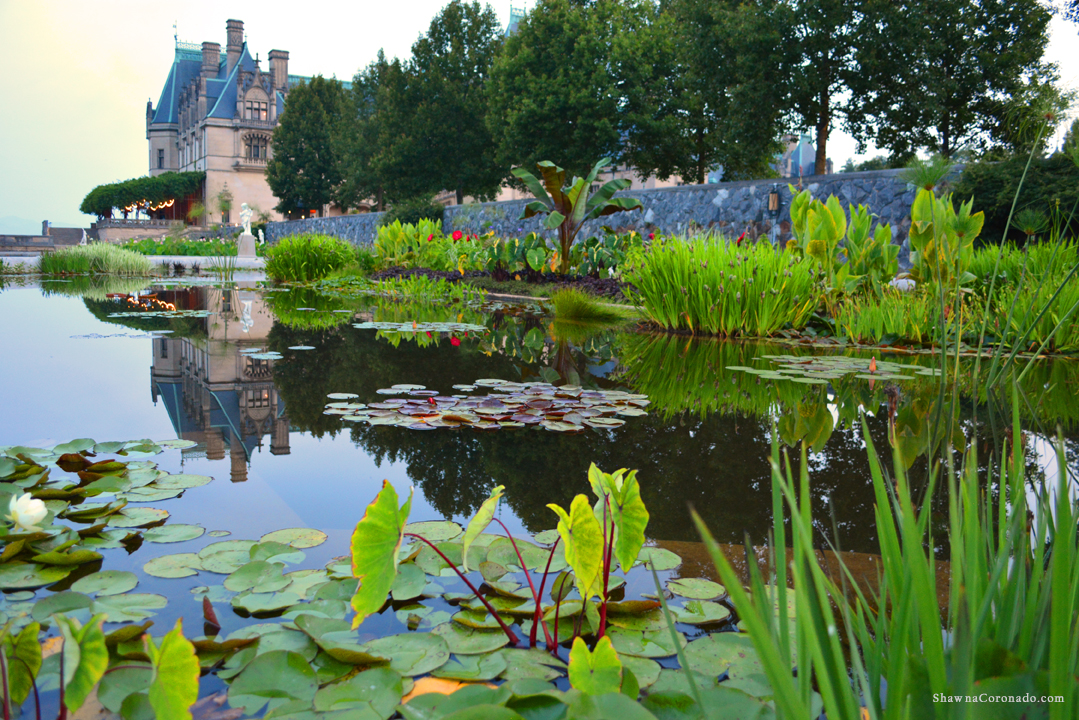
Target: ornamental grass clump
{"points": [[308, 257], [708, 286], [900, 316], [95, 258], [576, 306]]}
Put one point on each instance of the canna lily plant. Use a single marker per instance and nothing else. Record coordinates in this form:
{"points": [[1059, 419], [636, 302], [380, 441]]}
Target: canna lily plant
{"points": [[568, 208], [592, 538]]}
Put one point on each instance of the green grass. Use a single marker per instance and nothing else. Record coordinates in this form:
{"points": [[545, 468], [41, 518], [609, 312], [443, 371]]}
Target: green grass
{"points": [[570, 304], [308, 257], [708, 286], [95, 258], [908, 317]]}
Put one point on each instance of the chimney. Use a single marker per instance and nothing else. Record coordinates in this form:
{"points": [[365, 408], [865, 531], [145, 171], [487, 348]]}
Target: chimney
{"points": [[211, 59], [279, 69], [235, 29], [45, 227], [279, 440]]}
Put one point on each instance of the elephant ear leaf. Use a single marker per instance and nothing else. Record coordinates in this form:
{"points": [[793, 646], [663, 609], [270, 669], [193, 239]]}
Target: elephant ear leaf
{"points": [[479, 522], [175, 687], [85, 658], [597, 672], [581, 533], [375, 543], [630, 520], [23, 662]]}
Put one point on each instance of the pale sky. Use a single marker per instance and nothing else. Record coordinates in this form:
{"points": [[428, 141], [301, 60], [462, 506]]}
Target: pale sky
{"points": [[77, 74]]}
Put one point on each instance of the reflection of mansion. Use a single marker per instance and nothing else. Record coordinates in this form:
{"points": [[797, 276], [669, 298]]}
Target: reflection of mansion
{"points": [[217, 113], [215, 395]]}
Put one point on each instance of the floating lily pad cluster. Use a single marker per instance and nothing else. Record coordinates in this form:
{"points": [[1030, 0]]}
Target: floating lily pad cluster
{"points": [[509, 405], [821, 370], [421, 326], [260, 354]]}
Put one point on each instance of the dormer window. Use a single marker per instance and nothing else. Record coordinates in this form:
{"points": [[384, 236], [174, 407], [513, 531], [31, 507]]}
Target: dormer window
{"points": [[256, 110]]}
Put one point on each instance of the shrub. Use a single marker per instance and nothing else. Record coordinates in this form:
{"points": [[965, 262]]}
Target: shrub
{"points": [[1051, 186], [308, 257], [706, 285], [413, 211], [181, 246], [95, 258]]}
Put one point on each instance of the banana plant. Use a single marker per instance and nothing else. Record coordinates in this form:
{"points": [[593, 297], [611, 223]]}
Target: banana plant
{"points": [[568, 208]]}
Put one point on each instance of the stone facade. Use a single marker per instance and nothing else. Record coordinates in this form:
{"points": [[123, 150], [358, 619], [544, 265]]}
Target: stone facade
{"points": [[216, 113], [729, 208]]}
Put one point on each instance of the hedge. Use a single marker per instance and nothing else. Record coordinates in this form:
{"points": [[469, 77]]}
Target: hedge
{"points": [[168, 186]]}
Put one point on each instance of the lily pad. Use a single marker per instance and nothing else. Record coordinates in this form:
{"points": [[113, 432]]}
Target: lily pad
{"points": [[701, 612], [182, 480], [173, 533], [531, 663], [173, 566], [267, 602], [659, 558], [131, 607], [463, 640], [106, 582], [131, 517], [697, 588], [258, 576], [435, 530], [299, 538], [649, 643], [409, 583], [271, 680], [412, 653], [724, 652], [20, 576], [372, 694], [472, 668]]}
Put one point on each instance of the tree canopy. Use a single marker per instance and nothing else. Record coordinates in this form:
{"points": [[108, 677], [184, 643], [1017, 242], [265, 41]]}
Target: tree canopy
{"points": [[304, 172], [142, 192]]}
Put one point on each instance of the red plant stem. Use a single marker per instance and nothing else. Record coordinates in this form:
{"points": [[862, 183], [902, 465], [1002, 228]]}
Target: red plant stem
{"points": [[553, 649], [539, 613], [528, 576], [482, 599]]}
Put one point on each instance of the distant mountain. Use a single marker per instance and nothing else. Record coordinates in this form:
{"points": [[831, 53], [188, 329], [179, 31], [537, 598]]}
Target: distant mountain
{"points": [[12, 225]]}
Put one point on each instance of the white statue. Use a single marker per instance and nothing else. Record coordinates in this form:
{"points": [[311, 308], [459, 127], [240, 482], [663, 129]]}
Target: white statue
{"points": [[262, 237], [246, 323], [245, 218]]}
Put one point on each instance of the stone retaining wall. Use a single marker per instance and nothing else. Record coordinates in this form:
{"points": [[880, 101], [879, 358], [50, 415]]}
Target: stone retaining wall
{"points": [[730, 208]]}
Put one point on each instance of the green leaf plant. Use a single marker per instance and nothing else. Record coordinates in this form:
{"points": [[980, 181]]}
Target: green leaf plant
{"points": [[568, 208]]}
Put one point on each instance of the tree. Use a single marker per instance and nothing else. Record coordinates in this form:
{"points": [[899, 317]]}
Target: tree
{"points": [[304, 172], [357, 140], [945, 82], [553, 94], [716, 93], [449, 70]]}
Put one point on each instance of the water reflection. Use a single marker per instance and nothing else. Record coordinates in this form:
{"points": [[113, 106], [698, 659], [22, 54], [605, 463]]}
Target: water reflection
{"points": [[705, 443]]}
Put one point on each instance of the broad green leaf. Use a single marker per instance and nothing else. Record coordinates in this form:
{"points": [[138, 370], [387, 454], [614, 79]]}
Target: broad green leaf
{"points": [[23, 654], [375, 543], [480, 521], [85, 658], [630, 520], [594, 672], [583, 542], [271, 680], [299, 538], [697, 588], [412, 653], [175, 687], [473, 668], [117, 685], [376, 692]]}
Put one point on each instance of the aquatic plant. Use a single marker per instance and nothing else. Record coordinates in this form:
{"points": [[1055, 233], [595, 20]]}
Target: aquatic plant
{"points": [[96, 257], [568, 208], [1011, 612], [705, 285], [182, 246], [894, 317], [572, 305], [307, 309], [307, 257]]}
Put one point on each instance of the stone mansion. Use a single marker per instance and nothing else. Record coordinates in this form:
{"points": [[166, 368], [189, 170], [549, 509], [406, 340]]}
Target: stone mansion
{"points": [[217, 113]]}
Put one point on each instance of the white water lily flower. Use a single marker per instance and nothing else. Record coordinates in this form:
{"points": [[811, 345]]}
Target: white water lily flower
{"points": [[26, 512]]}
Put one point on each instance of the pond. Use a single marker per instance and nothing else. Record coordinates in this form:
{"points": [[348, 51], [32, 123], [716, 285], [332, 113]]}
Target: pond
{"points": [[286, 399]]}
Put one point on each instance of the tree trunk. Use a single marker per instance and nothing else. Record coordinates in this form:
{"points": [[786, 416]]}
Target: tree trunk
{"points": [[381, 205], [460, 197], [701, 169], [824, 122]]}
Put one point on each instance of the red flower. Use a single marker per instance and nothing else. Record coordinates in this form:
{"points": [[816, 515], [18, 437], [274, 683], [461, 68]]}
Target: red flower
{"points": [[428, 333], [741, 237], [455, 341], [457, 235], [430, 237], [651, 236]]}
